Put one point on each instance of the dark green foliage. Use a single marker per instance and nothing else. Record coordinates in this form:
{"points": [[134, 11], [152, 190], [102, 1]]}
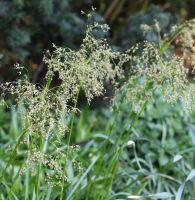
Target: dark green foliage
{"points": [[162, 132], [29, 27], [154, 16]]}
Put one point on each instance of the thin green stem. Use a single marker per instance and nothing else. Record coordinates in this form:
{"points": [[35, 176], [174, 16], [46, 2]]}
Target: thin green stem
{"points": [[14, 154], [82, 178], [26, 184], [27, 172], [112, 168], [109, 131], [68, 141], [37, 187], [15, 180]]}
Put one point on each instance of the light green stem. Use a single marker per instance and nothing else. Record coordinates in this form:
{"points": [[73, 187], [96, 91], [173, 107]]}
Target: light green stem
{"points": [[68, 141]]}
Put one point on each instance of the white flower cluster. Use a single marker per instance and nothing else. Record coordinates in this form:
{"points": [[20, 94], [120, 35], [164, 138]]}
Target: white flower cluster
{"points": [[150, 72], [86, 69], [39, 109]]}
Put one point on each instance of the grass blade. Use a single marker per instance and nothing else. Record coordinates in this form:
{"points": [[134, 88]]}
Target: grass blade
{"points": [[81, 179]]}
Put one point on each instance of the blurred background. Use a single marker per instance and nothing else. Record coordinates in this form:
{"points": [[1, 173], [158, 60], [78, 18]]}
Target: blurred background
{"points": [[29, 27]]}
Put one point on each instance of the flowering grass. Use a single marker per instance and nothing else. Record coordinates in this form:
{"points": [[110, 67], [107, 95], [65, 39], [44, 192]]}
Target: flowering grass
{"points": [[44, 161]]}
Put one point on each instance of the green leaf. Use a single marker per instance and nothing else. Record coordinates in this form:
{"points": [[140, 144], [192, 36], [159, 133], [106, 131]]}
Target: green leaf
{"points": [[177, 158], [162, 195], [191, 175], [180, 191]]}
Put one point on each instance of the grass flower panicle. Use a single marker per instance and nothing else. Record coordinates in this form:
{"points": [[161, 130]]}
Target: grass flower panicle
{"points": [[87, 68], [150, 72], [47, 115]]}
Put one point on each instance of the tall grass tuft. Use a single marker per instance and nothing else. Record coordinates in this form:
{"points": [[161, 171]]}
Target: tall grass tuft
{"points": [[43, 156]]}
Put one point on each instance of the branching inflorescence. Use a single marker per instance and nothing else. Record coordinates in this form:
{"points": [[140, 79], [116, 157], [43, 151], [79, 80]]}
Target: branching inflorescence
{"points": [[45, 112], [151, 72]]}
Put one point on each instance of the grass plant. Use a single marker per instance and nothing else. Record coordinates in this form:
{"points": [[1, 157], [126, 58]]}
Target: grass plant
{"points": [[43, 160]]}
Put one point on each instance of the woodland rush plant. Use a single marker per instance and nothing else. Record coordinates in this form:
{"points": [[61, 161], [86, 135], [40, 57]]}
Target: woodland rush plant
{"points": [[42, 160]]}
